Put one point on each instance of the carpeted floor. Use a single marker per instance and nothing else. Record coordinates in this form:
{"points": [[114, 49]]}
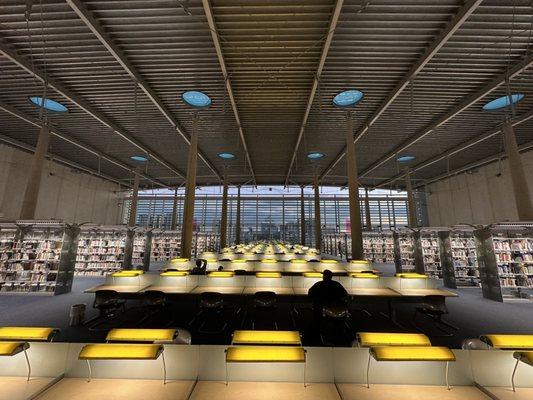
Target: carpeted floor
{"points": [[473, 314]]}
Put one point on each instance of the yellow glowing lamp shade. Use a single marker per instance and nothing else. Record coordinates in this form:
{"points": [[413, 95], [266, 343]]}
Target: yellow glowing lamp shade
{"points": [[29, 333], [362, 275], [179, 260], [360, 262], [174, 273], [110, 351], [524, 356], [412, 353], [265, 354], [299, 261], [411, 275], [221, 274], [127, 274], [268, 275], [140, 335], [8, 349], [239, 261], [312, 274], [373, 339], [267, 337], [269, 261], [329, 261], [523, 342]]}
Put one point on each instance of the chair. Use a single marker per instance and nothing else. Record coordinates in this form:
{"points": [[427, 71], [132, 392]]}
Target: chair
{"points": [[211, 310], [108, 303], [435, 307], [335, 327], [264, 305], [155, 301]]}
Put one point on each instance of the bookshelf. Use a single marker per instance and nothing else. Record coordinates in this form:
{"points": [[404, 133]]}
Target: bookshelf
{"points": [[406, 251], [429, 241], [37, 257], [378, 247], [100, 251], [464, 257], [166, 245]]}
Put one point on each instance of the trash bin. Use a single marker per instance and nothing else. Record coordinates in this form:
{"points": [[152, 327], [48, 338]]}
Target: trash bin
{"points": [[77, 314]]}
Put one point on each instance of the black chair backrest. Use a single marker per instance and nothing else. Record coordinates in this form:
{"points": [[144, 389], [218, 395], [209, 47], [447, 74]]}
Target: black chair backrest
{"points": [[211, 300], [335, 311], [265, 299], [436, 303], [103, 297], [154, 297]]}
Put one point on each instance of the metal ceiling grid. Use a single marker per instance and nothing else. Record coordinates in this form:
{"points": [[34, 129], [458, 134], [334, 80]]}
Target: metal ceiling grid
{"points": [[271, 49]]}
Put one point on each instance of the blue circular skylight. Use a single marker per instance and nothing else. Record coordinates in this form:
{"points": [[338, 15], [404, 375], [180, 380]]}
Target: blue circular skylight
{"points": [[315, 155], [348, 98], [139, 158], [49, 105], [196, 99], [503, 101], [226, 156], [406, 158]]}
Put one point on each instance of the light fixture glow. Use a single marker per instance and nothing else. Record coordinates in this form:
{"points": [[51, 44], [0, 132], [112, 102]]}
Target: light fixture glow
{"points": [[226, 156], [315, 155], [196, 99], [502, 102], [348, 98], [139, 158], [49, 104], [406, 158]]}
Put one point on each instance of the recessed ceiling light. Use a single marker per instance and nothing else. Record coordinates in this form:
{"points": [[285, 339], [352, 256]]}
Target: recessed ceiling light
{"points": [[348, 98], [503, 101], [140, 159], [315, 155], [49, 104], [196, 99], [226, 156], [406, 158]]}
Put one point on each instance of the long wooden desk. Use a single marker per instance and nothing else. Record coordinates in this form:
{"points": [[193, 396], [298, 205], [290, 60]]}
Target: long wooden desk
{"points": [[118, 288], [425, 292]]}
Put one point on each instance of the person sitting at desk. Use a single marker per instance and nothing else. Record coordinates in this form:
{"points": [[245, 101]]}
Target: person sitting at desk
{"points": [[326, 292], [201, 266]]}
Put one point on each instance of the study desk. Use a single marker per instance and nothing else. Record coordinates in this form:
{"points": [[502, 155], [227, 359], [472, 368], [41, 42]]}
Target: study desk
{"points": [[283, 291], [218, 289], [169, 289], [118, 288], [425, 292]]}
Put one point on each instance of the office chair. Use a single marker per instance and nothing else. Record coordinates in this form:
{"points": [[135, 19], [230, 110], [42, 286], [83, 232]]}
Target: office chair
{"points": [[435, 307], [264, 307], [335, 325], [211, 311], [108, 303]]}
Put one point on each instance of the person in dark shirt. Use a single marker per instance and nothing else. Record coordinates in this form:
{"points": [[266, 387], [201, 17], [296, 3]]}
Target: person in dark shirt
{"points": [[326, 292], [201, 266]]}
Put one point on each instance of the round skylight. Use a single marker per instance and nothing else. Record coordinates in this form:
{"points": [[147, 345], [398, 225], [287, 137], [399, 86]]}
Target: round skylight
{"points": [[139, 158], [503, 101], [348, 98], [226, 156], [49, 104], [196, 99], [406, 158], [315, 155]]}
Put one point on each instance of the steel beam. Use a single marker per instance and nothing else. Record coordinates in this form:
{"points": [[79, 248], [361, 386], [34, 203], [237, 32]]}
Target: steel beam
{"points": [[460, 17], [94, 25], [316, 81], [214, 34]]}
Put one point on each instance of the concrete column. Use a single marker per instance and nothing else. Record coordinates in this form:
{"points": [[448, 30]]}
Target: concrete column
{"points": [[518, 176], [367, 211], [411, 206], [31, 195], [174, 222], [224, 214], [134, 199], [238, 217], [353, 192], [190, 188], [302, 216], [318, 227]]}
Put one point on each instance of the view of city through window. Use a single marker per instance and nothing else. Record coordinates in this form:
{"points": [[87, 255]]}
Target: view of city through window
{"points": [[272, 212]]}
